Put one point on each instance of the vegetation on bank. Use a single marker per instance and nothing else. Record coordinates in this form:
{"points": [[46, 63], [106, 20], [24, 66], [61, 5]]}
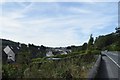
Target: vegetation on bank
{"points": [[69, 67], [73, 65]]}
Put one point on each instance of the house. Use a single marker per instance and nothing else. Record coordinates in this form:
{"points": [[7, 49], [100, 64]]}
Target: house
{"points": [[63, 51], [10, 53], [57, 51], [49, 53]]}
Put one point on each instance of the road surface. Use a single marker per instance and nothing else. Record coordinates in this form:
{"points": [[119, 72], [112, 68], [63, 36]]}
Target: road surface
{"points": [[109, 67]]}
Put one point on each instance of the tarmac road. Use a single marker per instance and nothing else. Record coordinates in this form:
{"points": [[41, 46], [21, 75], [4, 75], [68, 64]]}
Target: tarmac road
{"points": [[109, 67]]}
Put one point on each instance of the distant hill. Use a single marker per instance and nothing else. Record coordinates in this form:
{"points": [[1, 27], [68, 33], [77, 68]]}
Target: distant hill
{"points": [[35, 51]]}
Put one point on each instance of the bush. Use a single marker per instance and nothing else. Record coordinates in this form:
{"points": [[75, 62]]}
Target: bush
{"points": [[88, 51], [95, 52], [113, 47], [13, 70], [60, 56]]}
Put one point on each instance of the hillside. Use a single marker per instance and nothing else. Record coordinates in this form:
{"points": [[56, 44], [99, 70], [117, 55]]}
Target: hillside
{"points": [[20, 49]]}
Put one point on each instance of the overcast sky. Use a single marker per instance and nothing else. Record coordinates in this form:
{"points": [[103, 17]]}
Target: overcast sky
{"points": [[57, 24]]}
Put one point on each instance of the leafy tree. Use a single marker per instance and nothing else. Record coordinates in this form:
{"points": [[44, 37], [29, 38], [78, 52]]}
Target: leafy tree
{"points": [[117, 30], [84, 46], [69, 47], [104, 42], [43, 50], [33, 50], [23, 57], [90, 43], [118, 36]]}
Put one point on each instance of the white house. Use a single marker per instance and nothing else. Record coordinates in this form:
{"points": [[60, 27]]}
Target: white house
{"points": [[49, 53], [10, 53]]}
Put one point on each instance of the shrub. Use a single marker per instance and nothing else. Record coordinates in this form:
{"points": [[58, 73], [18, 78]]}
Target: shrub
{"points": [[88, 51], [95, 52]]}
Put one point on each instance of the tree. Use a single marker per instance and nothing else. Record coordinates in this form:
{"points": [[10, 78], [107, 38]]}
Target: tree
{"points": [[90, 43], [118, 30], [42, 51], [24, 57], [118, 35], [103, 42], [69, 47], [84, 46]]}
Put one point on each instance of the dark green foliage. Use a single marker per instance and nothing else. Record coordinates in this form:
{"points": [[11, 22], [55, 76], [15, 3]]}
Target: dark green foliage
{"points": [[117, 30], [97, 52], [118, 35], [107, 41], [13, 70], [90, 43], [113, 47], [23, 58], [84, 46], [76, 48], [37, 51], [69, 47], [8, 42], [88, 51], [79, 48]]}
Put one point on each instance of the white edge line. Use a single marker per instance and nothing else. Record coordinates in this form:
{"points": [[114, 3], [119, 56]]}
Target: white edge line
{"points": [[113, 61]]}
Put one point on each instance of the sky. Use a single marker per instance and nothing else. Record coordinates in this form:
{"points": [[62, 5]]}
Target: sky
{"points": [[56, 24]]}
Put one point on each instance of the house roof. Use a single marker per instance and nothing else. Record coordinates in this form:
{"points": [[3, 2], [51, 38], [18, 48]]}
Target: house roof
{"points": [[10, 53]]}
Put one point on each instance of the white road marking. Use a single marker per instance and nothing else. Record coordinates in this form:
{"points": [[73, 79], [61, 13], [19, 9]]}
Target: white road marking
{"points": [[113, 61]]}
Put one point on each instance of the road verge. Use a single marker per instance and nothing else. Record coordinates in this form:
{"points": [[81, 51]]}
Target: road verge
{"points": [[93, 72]]}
